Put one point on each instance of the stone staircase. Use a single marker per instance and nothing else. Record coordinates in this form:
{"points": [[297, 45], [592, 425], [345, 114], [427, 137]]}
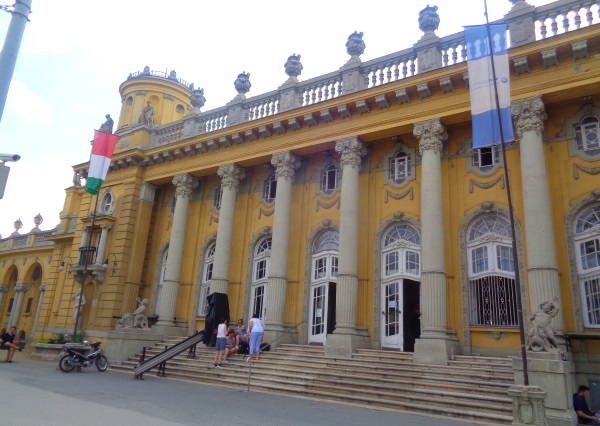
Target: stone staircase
{"points": [[471, 388]]}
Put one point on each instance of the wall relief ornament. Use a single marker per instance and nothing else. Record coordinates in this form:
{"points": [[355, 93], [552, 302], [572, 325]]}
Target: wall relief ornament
{"points": [[431, 135], [285, 164], [184, 184], [529, 115], [351, 150], [541, 334], [231, 175]]}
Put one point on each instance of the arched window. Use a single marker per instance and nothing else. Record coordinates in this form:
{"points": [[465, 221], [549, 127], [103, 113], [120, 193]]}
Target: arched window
{"points": [[217, 197], [323, 286], [399, 167], [329, 179], [587, 134], [161, 280], [401, 251], [491, 271], [260, 276], [209, 259], [587, 249], [270, 189], [106, 203]]}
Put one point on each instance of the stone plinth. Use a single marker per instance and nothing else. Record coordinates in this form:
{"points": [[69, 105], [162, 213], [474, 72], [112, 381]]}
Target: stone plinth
{"points": [[179, 328], [122, 344], [436, 349], [528, 405], [554, 373], [344, 345], [46, 351]]}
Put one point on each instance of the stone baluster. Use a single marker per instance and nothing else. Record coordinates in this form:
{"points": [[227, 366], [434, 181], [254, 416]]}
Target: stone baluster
{"points": [[285, 164], [184, 184], [102, 244], [231, 176], [15, 313], [346, 337], [39, 306], [542, 270], [434, 346]]}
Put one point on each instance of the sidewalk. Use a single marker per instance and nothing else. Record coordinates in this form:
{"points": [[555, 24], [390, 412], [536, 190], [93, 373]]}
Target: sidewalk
{"points": [[41, 394]]}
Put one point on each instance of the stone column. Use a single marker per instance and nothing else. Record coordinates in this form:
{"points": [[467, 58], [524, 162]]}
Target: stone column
{"points": [[435, 343], [85, 235], [15, 313], [542, 271], [231, 175], [102, 244], [346, 338], [184, 186], [285, 164], [39, 307]]}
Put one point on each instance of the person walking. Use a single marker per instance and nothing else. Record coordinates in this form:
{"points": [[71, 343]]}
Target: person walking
{"points": [[256, 330], [222, 331]]}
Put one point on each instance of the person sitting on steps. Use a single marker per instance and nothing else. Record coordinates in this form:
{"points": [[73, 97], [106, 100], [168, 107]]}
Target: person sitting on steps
{"points": [[6, 342], [585, 416]]}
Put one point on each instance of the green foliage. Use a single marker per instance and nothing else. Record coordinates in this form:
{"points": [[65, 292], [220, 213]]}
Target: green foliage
{"points": [[80, 337], [44, 341], [58, 338]]}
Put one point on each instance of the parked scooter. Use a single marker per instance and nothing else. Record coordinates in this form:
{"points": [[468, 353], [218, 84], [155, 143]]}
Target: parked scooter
{"points": [[77, 358]]}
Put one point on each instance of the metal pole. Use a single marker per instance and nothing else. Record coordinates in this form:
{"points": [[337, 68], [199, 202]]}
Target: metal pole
{"points": [[12, 43], [85, 265], [510, 209]]}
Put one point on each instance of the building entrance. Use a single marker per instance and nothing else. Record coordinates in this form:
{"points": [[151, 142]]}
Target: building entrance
{"points": [[401, 324]]}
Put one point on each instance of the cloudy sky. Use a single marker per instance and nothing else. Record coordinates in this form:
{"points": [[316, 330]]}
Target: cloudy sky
{"points": [[75, 55]]}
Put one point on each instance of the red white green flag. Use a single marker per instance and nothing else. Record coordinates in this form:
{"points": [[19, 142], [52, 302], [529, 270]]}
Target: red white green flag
{"points": [[102, 152]]}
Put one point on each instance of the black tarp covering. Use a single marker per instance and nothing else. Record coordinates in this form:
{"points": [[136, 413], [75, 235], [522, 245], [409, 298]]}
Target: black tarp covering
{"points": [[218, 308]]}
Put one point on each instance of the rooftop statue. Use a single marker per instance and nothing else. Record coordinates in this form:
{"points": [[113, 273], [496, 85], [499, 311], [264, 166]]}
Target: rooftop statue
{"points": [[147, 116], [107, 126]]}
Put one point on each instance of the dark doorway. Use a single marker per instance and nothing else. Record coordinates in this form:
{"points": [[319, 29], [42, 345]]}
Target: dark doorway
{"points": [[411, 313], [331, 308]]}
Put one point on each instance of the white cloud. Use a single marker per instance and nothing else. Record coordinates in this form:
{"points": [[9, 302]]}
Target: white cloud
{"points": [[28, 104]]}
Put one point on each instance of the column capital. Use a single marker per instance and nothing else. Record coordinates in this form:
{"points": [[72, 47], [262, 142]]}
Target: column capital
{"points": [[231, 175], [285, 164], [105, 227], [431, 135], [184, 184], [529, 115], [21, 287], [3, 288], [351, 151], [43, 287], [85, 229]]}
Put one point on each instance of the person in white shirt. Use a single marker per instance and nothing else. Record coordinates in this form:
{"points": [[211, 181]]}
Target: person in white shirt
{"points": [[222, 331], [256, 330]]}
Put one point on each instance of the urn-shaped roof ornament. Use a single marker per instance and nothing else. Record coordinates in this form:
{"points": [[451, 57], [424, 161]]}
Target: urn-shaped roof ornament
{"points": [[242, 84], [355, 46], [197, 99], [429, 20], [293, 66], [18, 225], [146, 70], [38, 219]]}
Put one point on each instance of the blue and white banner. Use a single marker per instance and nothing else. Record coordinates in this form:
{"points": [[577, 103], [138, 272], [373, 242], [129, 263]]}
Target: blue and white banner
{"points": [[484, 111]]}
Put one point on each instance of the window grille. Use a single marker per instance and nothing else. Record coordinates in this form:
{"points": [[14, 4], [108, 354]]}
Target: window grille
{"points": [[399, 167], [588, 135], [493, 301]]}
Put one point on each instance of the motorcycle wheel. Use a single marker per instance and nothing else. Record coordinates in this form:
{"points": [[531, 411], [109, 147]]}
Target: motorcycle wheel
{"points": [[101, 363], [64, 365]]}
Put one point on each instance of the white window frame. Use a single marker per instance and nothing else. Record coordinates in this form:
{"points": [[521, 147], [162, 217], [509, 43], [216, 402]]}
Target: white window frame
{"points": [[161, 280], [270, 189], [400, 167], [478, 156], [261, 262], [209, 259], [588, 125], [403, 243], [587, 230], [327, 179]]}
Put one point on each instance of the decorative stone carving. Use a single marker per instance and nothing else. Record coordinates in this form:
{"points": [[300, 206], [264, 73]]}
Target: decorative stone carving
{"points": [[38, 219], [77, 175], [529, 115], [431, 135], [18, 225], [242, 84], [429, 20], [197, 100], [231, 175], [184, 184], [135, 319], [107, 126], [549, 57], [541, 333], [580, 49], [285, 164], [351, 150], [147, 115], [355, 46], [293, 67]]}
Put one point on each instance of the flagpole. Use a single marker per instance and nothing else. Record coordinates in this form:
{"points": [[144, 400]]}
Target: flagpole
{"points": [[510, 207], [85, 264]]}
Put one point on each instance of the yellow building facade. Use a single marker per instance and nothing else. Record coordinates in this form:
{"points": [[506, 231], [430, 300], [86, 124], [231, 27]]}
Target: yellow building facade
{"points": [[348, 210]]}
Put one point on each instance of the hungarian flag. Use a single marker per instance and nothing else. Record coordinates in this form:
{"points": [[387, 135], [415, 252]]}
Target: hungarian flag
{"points": [[102, 152]]}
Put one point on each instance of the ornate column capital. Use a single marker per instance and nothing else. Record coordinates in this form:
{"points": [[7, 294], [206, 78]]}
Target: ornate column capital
{"points": [[431, 135], [3, 288], [106, 227], [85, 229], [231, 175], [43, 287], [351, 151], [21, 287], [285, 164], [529, 115], [184, 184]]}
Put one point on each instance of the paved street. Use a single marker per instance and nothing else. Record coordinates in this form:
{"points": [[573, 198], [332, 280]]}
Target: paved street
{"points": [[37, 393]]}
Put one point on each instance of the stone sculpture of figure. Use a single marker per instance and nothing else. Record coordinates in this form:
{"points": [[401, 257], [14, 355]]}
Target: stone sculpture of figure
{"points": [[147, 116], [135, 319], [541, 335], [77, 179], [107, 126], [78, 307]]}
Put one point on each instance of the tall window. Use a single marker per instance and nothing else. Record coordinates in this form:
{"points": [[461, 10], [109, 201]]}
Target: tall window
{"points": [[270, 189], [161, 280], [329, 179], [485, 158], [217, 197], [587, 134], [492, 286], [209, 259], [587, 249], [399, 167], [260, 276], [401, 255]]}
